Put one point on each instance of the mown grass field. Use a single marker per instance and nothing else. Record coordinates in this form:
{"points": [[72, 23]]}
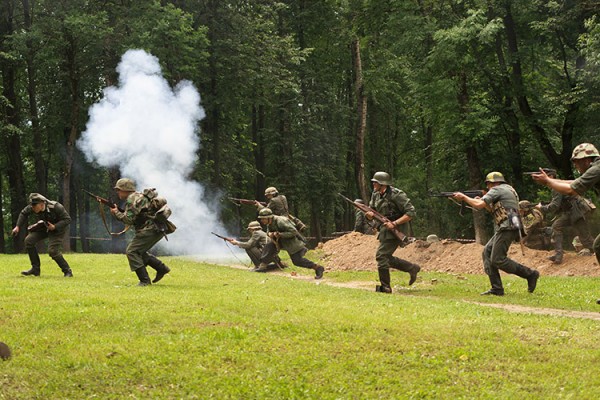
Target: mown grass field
{"points": [[209, 331]]}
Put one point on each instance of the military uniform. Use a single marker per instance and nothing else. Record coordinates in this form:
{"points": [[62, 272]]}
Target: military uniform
{"points": [[535, 230], [53, 213], [146, 236], [571, 211], [279, 206], [505, 232], [392, 204], [362, 224], [590, 179]]}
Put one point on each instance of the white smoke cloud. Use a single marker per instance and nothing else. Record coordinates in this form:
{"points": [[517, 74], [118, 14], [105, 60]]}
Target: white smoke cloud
{"points": [[148, 130]]}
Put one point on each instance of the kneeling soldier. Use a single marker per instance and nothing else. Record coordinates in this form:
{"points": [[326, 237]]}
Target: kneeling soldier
{"points": [[255, 245]]}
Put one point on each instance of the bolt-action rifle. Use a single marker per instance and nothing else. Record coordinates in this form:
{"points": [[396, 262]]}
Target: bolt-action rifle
{"points": [[471, 193], [379, 217], [225, 238], [102, 201], [548, 171], [246, 201]]}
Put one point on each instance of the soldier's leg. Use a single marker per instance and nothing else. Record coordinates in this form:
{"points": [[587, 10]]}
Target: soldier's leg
{"points": [[406, 266], [55, 244], [137, 252], [582, 228], [558, 228], [491, 270], [254, 255], [268, 254], [500, 260], [384, 262], [299, 261], [160, 267], [34, 258]]}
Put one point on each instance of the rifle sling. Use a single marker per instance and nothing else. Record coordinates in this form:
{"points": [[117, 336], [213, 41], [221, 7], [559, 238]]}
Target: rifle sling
{"points": [[106, 224]]}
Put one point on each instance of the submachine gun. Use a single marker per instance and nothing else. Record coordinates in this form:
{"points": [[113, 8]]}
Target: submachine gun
{"points": [[471, 193], [379, 218]]}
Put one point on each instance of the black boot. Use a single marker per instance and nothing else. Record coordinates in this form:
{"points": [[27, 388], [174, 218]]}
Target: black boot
{"points": [[34, 259], [319, 270], [142, 275], [383, 289], [64, 266], [159, 266], [413, 274]]}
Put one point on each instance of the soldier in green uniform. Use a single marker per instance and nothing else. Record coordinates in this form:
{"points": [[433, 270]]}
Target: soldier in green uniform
{"points": [[255, 245], [503, 202], [361, 223], [571, 211], [279, 206], [586, 159], [284, 236], [395, 205], [53, 221], [146, 232], [535, 229]]}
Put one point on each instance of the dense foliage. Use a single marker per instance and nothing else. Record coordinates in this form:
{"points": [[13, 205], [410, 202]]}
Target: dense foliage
{"points": [[312, 97]]}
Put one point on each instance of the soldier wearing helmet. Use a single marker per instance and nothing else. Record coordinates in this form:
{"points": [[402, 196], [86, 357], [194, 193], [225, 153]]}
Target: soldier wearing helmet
{"points": [[255, 245], [536, 232], [361, 223], [586, 159], [395, 205], [570, 212], [146, 234], [279, 206], [503, 202], [284, 236], [52, 221]]}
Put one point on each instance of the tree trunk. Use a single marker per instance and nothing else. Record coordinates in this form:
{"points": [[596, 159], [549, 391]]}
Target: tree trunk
{"points": [[474, 168], [361, 113]]}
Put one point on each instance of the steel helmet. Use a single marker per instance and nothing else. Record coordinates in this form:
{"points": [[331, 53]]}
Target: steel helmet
{"points": [[253, 225], [383, 178], [125, 184], [494, 176], [584, 150], [265, 213], [524, 204], [271, 191]]}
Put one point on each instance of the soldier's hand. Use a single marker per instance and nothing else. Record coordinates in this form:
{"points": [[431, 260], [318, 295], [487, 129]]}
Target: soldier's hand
{"points": [[15, 231], [51, 226], [369, 215], [459, 196], [390, 225], [234, 242], [541, 177], [113, 210]]}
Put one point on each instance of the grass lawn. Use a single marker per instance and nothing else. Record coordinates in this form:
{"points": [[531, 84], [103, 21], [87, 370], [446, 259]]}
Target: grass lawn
{"points": [[209, 331]]}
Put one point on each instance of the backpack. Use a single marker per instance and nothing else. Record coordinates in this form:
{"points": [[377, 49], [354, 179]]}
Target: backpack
{"points": [[159, 212]]}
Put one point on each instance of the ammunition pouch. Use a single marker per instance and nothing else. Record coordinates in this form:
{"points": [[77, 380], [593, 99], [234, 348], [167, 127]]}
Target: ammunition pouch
{"points": [[499, 213]]}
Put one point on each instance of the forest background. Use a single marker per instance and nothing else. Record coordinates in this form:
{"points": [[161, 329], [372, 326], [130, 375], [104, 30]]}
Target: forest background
{"points": [[312, 97]]}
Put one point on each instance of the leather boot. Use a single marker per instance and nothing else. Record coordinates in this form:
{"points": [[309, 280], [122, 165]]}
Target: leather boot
{"points": [[532, 281], [34, 259], [159, 266], [64, 266], [383, 289], [262, 267], [413, 274], [319, 270], [142, 275]]}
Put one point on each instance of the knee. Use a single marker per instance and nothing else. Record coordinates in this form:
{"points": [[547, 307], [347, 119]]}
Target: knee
{"points": [[53, 253]]}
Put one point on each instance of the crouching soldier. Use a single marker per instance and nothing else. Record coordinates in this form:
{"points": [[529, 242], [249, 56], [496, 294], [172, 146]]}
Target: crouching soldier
{"points": [[284, 236], [255, 245], [52, 223]]}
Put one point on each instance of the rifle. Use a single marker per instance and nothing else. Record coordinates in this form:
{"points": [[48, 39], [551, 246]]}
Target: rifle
{"points": [[471, 193], [548, 171], [379, 217], [225, 238], [102, 200], [246, 201], [110, 204]]}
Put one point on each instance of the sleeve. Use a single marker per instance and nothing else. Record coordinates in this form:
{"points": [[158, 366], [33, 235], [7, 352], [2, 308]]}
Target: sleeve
{"points": [[251, 242], [585, 182], [63, 219], [24, 216], [286, 228], [491, 197], [554, 204], [129, 215], [403, 202]]}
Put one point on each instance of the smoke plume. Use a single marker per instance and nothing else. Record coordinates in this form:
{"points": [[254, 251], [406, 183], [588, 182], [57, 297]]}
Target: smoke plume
{"points": [[148, 130]]}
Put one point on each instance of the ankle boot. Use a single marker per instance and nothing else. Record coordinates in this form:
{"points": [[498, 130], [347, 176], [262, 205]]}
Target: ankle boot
{"points": [[34, 259], [413, 274], [64, 266], [159, 266], [319, 270], [142, 275]]}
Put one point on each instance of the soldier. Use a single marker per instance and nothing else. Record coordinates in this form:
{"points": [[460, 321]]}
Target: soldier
{"points": [[284, 236], [279, 206], [571, 211], [52, 223], [533, 224], [503, 202], [361, 223], [146, 232], [255, 245], [395, 205], [586, 159]]}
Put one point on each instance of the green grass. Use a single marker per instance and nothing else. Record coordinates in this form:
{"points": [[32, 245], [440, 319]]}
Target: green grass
{"points": [[209, 331]]}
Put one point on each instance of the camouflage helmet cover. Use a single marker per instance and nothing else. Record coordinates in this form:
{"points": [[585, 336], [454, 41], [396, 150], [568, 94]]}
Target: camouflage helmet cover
{"points": [[265, 213], [584, 150], [383, 178], [494, 176], [254, 225], [125, 184], [272, 191], [36, 198], [524, 204]]}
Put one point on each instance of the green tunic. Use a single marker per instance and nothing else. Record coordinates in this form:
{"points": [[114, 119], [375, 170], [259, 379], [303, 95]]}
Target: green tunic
{"points": [[289, 238], [392, 204]]}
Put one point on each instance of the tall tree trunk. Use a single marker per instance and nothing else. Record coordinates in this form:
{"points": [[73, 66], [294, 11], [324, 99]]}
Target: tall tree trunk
{"points": [[2, 241], [474, 168], [361, 113]]}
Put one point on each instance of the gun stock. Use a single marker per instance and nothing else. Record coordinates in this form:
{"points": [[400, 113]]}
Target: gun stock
{"points": [[380, 218], [100, 199], [225, 238], [246, 201]]}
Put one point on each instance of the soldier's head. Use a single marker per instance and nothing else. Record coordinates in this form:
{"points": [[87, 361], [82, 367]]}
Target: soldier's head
{"points": [[124, 187], [254, 226], [265, 216], [271, 192], [38, 202], [525, 206], [381, 180], [494, 178], [583, 155]]}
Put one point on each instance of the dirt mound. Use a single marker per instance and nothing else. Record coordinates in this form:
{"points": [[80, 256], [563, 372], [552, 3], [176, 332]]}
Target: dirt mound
{"points": [[355, 251]]}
